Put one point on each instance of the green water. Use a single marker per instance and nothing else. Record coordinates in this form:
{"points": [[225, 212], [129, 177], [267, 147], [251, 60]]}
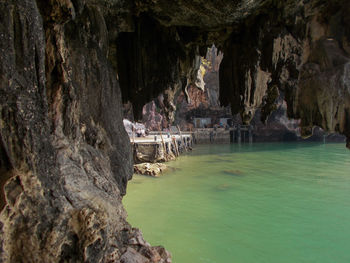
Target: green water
{"points": [[250, 204]]}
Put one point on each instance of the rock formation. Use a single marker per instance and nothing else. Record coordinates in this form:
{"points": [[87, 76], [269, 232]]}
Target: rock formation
{"points": [[200, 99], [278, 127], [302, 50], [65, 156], [67, 65], [151, 169]]}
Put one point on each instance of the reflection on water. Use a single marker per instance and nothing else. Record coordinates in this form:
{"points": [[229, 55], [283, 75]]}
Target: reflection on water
{"points": [[250, 203]]}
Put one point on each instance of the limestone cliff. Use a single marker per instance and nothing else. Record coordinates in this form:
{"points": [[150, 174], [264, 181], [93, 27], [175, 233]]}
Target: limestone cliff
{"points": [[278, 127], [67, 65], [199, 99], [302, 50], [65, 156]]}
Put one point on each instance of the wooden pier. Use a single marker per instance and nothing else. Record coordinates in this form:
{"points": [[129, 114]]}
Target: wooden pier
{"points": [[160, 146], [165, 146], [236, 134], [238, 131]]}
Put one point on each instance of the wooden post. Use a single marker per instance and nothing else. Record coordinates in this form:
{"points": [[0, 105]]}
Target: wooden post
{"points": [[239, 133], [250, 134], [172, 141], [182, 140], [191, 137], [175, 144], [133, 134], [163, 144], [324, 138]]}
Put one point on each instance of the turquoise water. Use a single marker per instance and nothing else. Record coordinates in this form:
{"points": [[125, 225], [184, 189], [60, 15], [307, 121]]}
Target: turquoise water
{"points": [[280, 202]]}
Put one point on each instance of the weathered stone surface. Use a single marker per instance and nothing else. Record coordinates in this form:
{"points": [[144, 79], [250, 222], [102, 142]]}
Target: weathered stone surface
{"points": [[202, 102], [278, 127], [132, 256], [152, 169], [302, 55], [144, 251], [195, 101], [154, 115], [201, 14], [65, 156]]}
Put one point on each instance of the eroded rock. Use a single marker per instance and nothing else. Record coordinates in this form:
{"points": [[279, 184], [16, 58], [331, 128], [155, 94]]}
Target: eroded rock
{"points": [[65, 156], [152, 169], [132, 256]]}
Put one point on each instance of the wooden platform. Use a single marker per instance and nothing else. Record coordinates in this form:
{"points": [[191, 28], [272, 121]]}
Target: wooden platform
{"points": [[157, 138], [160, 148], [236, 134]]}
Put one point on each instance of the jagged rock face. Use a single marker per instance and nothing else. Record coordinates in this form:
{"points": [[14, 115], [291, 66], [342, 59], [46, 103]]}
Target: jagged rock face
{"points": [[211, 77], [64, 154], [65, 157], [153, 116], [277, 127], [202, 102], [306, 57], [198, 100], [201, 14], [246, 70], [136, 62]]}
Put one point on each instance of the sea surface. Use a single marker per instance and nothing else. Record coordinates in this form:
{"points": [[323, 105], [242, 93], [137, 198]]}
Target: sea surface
{"points": [[273, 203]]}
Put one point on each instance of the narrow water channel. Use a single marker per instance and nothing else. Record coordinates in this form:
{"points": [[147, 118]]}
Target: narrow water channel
{"points": [[273, 203]]}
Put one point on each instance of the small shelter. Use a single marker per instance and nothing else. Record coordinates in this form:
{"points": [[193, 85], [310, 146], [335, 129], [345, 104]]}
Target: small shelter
{"points": [[226, 122], [202, 122]]}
